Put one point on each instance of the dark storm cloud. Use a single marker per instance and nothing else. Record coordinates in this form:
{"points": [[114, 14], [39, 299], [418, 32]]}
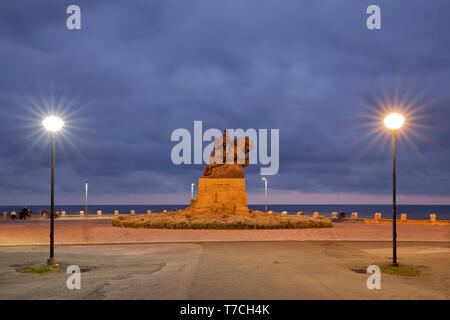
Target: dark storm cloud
{"points": [[139, 69]]}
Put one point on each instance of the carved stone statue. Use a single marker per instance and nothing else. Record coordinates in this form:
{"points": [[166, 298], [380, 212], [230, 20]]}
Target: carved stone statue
{"points": [[221, 188], [228, 159]]}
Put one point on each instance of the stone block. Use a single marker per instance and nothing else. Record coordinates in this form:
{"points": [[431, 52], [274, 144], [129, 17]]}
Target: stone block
{"points": [[220, 196]]}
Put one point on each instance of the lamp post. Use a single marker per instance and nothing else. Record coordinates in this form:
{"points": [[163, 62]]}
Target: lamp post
{"points": [[86, 198], [192, 191], [52, 124], [394, 121], [265, 185]]}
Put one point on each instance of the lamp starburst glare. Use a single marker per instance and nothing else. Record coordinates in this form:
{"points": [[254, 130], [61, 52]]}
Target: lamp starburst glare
{"points": [[53, 123], [394, 121]]}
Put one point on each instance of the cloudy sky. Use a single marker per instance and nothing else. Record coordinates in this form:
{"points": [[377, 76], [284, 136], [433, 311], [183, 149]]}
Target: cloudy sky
{"points": [[137, 70]]}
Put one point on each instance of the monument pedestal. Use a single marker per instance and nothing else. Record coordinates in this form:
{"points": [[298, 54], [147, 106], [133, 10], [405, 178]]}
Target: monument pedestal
{"points": [[220, 196]]}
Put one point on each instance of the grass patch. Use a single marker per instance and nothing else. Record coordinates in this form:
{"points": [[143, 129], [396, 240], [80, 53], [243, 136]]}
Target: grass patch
{"points": [[255, 220], [40, 270], [405, 272]]}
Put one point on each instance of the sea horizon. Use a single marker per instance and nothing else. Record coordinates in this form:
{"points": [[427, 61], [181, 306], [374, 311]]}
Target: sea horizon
{"points": [[414, 212]]}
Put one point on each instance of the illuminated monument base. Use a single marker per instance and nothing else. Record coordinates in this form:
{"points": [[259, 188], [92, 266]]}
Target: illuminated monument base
{"points": [[220, 196]]}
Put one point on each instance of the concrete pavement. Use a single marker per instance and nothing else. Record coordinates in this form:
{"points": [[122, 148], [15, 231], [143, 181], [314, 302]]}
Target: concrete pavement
{"points": [[228, 270]]}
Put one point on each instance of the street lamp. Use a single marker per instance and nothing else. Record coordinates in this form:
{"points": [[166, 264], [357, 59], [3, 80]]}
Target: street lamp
{"points": [[394, 121], [192, 191], [265, 184], [52, 124], [86, 198]]}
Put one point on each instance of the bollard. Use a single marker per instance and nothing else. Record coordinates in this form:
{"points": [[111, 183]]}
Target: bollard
{"points": [[63, 213], [99, 212], [5, 214], [116, 212], [433, 216], [149, 211], [81, 213], [316, 214], [133, 212], [354, 215], [334, 215], [377, 215], [284, 213], [300, 213], [403, 217]]}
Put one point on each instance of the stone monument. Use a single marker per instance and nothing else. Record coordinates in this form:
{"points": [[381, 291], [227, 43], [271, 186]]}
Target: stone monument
{"points": [[221, 188]]}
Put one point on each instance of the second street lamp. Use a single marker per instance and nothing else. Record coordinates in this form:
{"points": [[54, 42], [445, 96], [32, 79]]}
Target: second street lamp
{"points": [[192, 191], [86, 197], [265, 186], [394, 121], [52, 124]]}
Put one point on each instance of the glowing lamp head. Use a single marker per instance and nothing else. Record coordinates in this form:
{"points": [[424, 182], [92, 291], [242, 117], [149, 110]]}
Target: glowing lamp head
{"points": [[193, 184], [53, 123], [264, 178], [394, 121]]}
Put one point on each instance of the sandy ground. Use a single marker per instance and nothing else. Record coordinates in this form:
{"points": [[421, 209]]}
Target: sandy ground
{"points": [[101, 231]]}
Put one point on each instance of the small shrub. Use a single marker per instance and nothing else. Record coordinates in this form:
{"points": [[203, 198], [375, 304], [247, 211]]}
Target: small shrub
{"points": [[405, 272], [40, 270]]}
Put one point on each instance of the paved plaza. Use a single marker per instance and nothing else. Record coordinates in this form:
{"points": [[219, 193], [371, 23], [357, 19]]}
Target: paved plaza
{"points": [[100, 231], [122, 263], [228, 270]]}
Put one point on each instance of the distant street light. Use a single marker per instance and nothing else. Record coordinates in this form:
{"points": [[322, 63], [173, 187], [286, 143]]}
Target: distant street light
{"points": [[192, 191], [394, 121], [265, 184], [52, 124]]}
